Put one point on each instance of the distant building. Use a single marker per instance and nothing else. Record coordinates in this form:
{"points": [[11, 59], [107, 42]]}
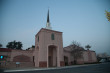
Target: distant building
{"points": [[48, 52]]}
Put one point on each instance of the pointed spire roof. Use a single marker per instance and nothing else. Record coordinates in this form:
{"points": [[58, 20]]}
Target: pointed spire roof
{"points": [[48, 16], [48, 26]]}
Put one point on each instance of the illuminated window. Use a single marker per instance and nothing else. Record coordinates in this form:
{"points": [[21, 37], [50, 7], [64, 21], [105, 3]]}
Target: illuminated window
{"points": [[52, 36]]}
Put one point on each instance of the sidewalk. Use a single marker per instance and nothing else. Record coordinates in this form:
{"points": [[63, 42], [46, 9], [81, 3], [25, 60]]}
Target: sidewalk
{"points": [[38, 69]]}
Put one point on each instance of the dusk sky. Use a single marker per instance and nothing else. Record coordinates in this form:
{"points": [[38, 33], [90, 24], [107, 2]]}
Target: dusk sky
{"points": [[81, 20]]}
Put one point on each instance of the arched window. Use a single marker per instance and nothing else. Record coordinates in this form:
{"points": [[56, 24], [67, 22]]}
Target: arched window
{"points": [[52, 36]]}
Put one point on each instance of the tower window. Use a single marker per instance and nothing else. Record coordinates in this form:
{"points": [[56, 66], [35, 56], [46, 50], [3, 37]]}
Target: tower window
{"points": [[52, 36], [38, 38]]}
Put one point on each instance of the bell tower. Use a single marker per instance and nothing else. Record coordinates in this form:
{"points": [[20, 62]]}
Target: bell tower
{"points": [[48, 47]]}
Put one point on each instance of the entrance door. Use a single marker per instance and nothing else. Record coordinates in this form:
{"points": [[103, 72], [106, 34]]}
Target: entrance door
{"points": [[50, 61], [52, 56], [66, 60]]}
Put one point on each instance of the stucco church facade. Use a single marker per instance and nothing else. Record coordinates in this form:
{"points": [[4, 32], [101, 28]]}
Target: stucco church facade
{"points": [[49, 48], [48, 52]]}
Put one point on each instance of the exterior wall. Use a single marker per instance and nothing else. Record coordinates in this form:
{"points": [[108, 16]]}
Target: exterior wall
{"points": [[38, 46], [68, 55], [6, 58], [94, 58], [85, 56], [36, 56], [54, 57], [25, 57], [22, 65], [8, 54], [27, 53], [5, 53], [45, 41], [71, 59], [80, 61], [89, 56], [21, 58]]}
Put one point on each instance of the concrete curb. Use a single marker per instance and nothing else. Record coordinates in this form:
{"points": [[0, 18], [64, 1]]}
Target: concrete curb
{"points": [[39, 69]]}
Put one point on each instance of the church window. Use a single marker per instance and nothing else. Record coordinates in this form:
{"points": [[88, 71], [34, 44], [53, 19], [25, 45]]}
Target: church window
{"points": [[52, 36], [38, 39]]}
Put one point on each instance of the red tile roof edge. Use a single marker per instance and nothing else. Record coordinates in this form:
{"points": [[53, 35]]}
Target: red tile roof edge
{"points": [[5, 50]]}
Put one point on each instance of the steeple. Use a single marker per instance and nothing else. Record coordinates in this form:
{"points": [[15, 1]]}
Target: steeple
{"points": [[48, 21], [48, 17]]}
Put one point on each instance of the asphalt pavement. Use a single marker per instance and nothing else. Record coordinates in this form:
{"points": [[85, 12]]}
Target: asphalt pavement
{"points": [[93, 68]]}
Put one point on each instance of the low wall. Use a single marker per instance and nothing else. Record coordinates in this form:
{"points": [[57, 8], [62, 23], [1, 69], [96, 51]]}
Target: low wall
{"points": [[21, 54], [13, 65]]}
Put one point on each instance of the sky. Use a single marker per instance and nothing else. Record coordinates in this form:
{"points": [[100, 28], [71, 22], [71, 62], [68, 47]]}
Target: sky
{"points": [[83, 21]]}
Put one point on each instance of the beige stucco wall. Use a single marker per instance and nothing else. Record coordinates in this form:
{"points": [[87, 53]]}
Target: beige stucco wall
{"points": [[28, 53], [85, 59], [8, 54], [25, 57], [45, 41], [94, 58], [36, 56], [86, 56], [5, 53], [70, 58]]}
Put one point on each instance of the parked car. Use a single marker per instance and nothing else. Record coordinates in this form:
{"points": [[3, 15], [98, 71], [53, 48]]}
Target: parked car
{"points": [[103, 60]]}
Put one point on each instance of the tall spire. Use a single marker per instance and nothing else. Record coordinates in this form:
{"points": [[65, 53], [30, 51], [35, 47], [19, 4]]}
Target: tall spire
{"points": [[48, 22], [48, 17]]}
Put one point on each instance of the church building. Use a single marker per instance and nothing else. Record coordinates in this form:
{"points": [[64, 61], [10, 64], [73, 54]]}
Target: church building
{"points": [[48, 52], [48, 47]]}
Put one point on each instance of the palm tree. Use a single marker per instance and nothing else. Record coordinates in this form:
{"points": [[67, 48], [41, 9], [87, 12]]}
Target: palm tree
{"points": [[87, 46]]}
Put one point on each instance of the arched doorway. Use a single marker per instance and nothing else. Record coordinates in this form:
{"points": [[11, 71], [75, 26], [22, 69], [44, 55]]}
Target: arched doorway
{"points": [[52, 56]]}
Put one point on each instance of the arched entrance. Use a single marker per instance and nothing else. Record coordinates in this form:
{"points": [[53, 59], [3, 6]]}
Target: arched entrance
{"points": [[52, 56]]}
